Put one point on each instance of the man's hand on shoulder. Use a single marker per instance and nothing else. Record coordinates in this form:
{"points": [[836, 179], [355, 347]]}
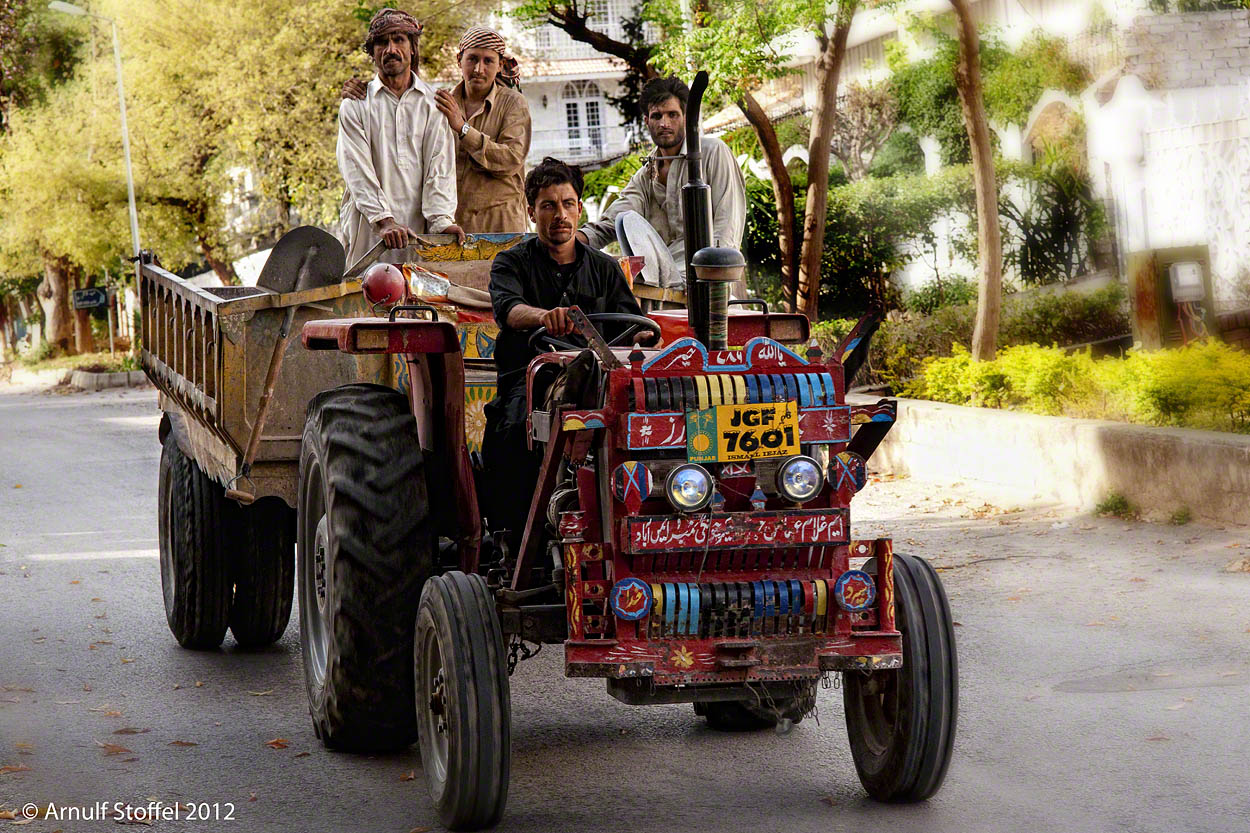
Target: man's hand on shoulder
{"points": [[355, 89], [449, 107], [395, 235]]}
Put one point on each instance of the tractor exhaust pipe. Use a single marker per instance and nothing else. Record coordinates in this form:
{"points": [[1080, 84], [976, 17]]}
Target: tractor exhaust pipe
{"points": [[696, 211]]}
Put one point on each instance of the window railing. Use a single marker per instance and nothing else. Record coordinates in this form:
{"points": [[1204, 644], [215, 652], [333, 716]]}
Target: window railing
{"points": [[581, 145]]}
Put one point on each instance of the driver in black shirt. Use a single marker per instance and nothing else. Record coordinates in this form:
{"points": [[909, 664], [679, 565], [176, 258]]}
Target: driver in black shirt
{"points": [[532, 285]]}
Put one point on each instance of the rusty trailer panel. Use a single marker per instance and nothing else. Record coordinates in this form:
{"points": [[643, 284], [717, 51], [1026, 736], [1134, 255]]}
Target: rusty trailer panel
{"points": [[207, 351]]}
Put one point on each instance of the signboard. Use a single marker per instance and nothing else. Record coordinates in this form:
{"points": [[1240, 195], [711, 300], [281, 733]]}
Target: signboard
{"points": [[733, 433], [90, 298]]}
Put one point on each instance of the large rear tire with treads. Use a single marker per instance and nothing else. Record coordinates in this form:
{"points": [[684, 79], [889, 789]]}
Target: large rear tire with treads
{"points": [[262, 549], [195, 563], [901, 722], [365, 549]]}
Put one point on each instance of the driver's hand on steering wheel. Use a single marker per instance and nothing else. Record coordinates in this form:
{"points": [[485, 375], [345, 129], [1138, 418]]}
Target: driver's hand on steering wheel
{"points": [[557, 321]]}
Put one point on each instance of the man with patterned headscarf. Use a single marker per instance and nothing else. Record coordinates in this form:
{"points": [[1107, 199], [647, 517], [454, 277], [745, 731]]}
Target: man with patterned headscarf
{"points": [[394, 151], [491, 121]]}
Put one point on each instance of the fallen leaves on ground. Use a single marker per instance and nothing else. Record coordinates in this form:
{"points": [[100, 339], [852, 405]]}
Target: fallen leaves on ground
{"points": [[264, 693], [5, 770], [1095, 624], [277, 743], [183, 743], [1158, 738], [829, 800], [130, 730], [303, 754], [24, 748], [7, 815], [199, 683], [1241, 565], [113, 748], [251, 796], [409, 775]]}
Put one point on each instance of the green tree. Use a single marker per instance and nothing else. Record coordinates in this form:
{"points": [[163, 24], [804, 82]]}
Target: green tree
{"points": [[742, 44]]}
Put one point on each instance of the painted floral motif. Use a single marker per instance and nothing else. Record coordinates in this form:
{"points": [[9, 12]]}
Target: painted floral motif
{"points": [[682, 658]]}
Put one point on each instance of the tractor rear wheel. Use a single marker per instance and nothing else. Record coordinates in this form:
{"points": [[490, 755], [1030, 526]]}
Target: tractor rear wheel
{"points": [[463, 709], [195, 565], [262, 546], [364, 551], [901, 722], [755, 714]]}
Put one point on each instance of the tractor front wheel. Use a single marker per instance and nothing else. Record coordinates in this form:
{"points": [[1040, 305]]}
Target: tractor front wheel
{"points": [[901, 722], [364, 550], [463, 709]]}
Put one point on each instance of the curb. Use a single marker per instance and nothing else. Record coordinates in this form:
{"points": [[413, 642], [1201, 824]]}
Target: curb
{"points": [[1076, 462], [100, 381]]}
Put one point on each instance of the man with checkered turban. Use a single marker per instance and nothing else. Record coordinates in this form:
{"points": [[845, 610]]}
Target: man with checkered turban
{"points": [[491, 122], [395, 152]]}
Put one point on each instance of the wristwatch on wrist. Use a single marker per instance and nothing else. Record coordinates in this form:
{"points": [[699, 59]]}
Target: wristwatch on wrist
{"points": [[464, 130]]}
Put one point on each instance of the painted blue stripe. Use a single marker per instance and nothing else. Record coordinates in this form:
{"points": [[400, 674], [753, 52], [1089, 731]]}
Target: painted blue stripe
{"points": [[830, 391], [766, 389], [694, 610], [683, 606], [818, 390], [670, 607], [779, 392], [753, 389], [796, 597], [792, 387], [758, 587], [770, 598], [805, 392], [783, 597], [849, 347]]}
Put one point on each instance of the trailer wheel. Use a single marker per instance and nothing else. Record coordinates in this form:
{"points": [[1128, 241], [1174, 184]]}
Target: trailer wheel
{"points": [[753, 715], [263, 549], [901, 722], [364, 552], [195, 568], [463, 709]]}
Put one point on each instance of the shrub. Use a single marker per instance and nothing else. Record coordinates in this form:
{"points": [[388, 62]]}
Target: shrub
{"points": [[618, 174], [1199, 386], [1181, 517], [937, 293], [1116, 505]]}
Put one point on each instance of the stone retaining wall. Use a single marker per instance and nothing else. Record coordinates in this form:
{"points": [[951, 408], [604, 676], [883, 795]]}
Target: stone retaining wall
{"points": [[1072, 461]]}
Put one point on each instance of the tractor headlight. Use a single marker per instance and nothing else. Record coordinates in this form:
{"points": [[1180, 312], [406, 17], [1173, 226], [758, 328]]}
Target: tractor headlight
{"points": [[689, 487], [799, 479]]}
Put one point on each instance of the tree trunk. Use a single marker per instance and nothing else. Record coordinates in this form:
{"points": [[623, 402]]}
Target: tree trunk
{"points": [[84, 339], [783, 192], [224, 269], [989, 236], [828, 67], [8, 341], [53, 294]]}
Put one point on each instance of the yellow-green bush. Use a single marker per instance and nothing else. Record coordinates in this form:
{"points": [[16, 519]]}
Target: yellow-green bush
{"points": [[1200, 386]]}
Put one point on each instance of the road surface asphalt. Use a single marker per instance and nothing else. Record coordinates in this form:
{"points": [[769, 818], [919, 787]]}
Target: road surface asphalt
{"points": [[1104, 678]]}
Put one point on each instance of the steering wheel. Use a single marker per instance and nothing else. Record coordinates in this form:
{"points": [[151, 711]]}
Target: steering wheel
{"points": [[544, 342]]}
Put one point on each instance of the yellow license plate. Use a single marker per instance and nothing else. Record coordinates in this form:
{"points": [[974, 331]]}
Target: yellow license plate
{"points": [[729, 433]]}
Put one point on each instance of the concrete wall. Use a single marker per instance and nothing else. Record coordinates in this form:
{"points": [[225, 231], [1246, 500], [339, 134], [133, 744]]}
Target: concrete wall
{"points": [[1077, 462], [1181, 51]]}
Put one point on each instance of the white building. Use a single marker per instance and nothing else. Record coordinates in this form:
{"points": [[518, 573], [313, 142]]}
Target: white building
{"points": [[567, 85]]}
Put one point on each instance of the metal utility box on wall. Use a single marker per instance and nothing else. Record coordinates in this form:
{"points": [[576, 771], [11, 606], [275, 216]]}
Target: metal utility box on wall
{"points": [[1167, 287]]}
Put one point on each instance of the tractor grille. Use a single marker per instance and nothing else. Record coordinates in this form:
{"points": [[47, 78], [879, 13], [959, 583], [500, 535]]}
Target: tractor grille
{"points": [[741, 609], [688, 393]]}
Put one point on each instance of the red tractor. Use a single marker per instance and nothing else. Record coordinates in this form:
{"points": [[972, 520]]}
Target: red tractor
{"points": [[688, 540]]}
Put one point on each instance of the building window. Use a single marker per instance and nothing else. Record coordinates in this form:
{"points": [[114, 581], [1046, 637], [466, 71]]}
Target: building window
{"points": [[583, 116]]}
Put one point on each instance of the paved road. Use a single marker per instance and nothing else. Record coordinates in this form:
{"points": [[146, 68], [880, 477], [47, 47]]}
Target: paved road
{"points": [[1105, 678]]}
